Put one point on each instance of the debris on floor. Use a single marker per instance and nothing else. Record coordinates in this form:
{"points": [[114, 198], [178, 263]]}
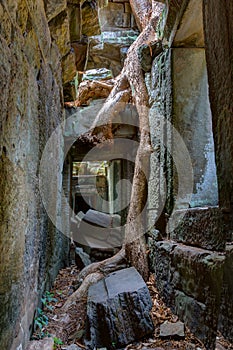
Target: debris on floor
{"points": [[172, 330], [71, 328]]}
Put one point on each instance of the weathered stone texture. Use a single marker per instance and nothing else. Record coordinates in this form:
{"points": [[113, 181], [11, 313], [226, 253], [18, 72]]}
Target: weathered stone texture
{"points": [[192, 119], [218, 26], [190, 31], [159, 87], [190, 280], [172, 15], [31, 107], [45, 344], [226, 309], [59, 29], [201, 227], [52, 8], [68, 67], [109, 49], [113, 17], [118, 310], [90, 21], [172, 330], [75, 22]]}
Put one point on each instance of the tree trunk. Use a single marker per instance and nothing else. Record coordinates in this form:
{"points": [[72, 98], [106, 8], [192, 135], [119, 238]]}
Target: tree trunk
{"points": [[132, 76], [129, 85]]}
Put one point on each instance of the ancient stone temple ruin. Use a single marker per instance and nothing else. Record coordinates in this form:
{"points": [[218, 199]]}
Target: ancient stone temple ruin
{"points": [[59, 63]]}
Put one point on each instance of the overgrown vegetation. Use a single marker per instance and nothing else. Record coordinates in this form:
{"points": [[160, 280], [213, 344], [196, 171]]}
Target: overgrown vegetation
{"points": [[42, 319]]}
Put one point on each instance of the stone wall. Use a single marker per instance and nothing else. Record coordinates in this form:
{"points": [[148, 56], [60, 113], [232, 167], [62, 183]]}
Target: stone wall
{"points": [[189, 256], [117, 15], [159, 86], [218, 17], [118, 30], [218, 30], [32, 251], [192, 118], [226, 307], [190, 279]]}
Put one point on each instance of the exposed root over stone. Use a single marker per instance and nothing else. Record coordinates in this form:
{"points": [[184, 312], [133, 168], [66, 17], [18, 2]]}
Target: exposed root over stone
{"points": [[93, 273], [69, 325], [129, 85], [81, 292]]}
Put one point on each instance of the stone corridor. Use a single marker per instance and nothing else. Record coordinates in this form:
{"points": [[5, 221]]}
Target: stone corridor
{"points": [[51, 51]]}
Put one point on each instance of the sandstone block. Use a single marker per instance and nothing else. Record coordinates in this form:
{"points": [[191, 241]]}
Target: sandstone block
{"points": [[111, 17], [68, 67], [172, 330], [98, 74], [202, 227], [128, 8], [190, 280], [118, 310], [60, 32], [90, 22], [53, 8], [226, 308]]}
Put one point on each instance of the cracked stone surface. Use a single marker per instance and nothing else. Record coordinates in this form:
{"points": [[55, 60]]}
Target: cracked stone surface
{"points": [[118, 310]]}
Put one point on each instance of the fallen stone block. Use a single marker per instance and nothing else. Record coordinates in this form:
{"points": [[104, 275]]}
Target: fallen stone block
{"points": [[44, 344], [172, 330], [118, 310]]}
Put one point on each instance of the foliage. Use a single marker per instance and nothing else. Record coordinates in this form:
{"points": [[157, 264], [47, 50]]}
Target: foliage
{"points": [[57, 341], [48, 298], [42, 320]]}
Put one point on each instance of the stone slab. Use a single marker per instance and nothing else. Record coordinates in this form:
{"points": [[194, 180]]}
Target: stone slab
{"points": [[97, 74], [98, 218], [73, 347], [190, 32], [52, 8]]}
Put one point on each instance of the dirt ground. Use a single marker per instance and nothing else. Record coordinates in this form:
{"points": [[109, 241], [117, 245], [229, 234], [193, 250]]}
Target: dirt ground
{"points": [[70, 327]]}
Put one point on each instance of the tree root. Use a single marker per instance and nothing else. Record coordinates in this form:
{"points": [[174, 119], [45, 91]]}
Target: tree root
{"points": [[81, 292], [93, 273], [129, 85]]}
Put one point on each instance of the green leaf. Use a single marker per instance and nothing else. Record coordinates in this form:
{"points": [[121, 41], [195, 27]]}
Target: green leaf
{"points": [[39, 324], [57, 341]]}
